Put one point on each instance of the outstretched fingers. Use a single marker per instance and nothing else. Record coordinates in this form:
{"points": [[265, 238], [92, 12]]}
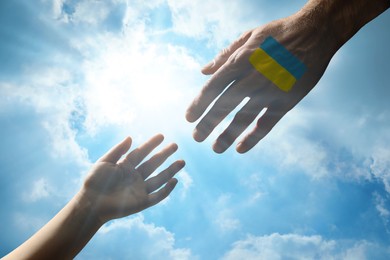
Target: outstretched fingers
{"points": [[240, 122], [157, 181], [213, 88], [263, 126], [137, 155], [225, 104], [224, 71], [115, 153], [161, 194], [148, 167]]}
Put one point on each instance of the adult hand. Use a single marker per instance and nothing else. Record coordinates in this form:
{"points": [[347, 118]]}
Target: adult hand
{"points": [[313, 35], [233, 74], [117, 189]]}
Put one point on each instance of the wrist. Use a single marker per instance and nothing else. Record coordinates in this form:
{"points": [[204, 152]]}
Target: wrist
{"points": [[85, 206], [342, 19]]}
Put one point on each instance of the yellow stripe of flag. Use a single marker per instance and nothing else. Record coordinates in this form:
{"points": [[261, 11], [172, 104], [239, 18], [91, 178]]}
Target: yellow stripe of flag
{"points": [[272, 70]]}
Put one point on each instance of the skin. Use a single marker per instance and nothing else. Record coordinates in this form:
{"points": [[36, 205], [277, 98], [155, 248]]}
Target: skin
{"points": [[313, 35], [114, 188]]}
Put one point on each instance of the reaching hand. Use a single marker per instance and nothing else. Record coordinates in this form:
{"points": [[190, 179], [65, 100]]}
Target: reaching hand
{"points": [[117, 189], [235, 77]]}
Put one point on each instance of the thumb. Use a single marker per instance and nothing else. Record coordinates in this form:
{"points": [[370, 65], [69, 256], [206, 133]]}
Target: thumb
{"points": [[224, 55]]}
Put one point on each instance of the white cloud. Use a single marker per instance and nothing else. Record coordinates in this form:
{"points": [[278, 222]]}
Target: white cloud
{"points": [[135, 239], [125, 80], [217, 21], [293, 246], [380, 206], [254, 184], [134, 82], [226, 223], [50, 91], [289, 147], [57, 8], [42, 88], [27, 222], [91, 11], [319, 143], [384, 213], [380, 166], [86, 12], [186, 182], [225, 219], [40, 189]]}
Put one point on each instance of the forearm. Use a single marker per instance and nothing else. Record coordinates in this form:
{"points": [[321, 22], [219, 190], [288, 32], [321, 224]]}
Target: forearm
{"points": [[64, 236], [343, 18]]}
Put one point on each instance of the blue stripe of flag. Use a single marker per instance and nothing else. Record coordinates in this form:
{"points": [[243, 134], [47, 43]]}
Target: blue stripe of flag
{"points": [[285, 58]]}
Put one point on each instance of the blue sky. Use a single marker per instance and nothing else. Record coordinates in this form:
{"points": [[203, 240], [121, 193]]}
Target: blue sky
{"points": [[76, 77]]}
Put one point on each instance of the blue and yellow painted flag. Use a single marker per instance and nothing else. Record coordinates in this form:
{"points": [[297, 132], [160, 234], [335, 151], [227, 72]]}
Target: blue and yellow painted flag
{"points": [[277, 64]]}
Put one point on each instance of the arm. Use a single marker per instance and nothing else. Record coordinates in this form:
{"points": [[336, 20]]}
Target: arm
{"points": [[112, 190], [312, 35]]}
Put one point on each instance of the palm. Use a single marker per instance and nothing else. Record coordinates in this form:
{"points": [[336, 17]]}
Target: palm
{"points": [[117, 189], [119, 194]]}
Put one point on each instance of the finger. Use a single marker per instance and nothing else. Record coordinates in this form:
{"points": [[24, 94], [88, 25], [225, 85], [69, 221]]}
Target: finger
{"points": [[226, 103], [138, 154], [240, 122], [213, 88], [115, 153], [263, 127], [157, 181], [224, 55], [161, 194], [153, 163]]}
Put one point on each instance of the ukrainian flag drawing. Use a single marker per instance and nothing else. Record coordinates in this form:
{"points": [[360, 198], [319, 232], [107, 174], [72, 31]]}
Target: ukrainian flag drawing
{"points": [[277, 64]]}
